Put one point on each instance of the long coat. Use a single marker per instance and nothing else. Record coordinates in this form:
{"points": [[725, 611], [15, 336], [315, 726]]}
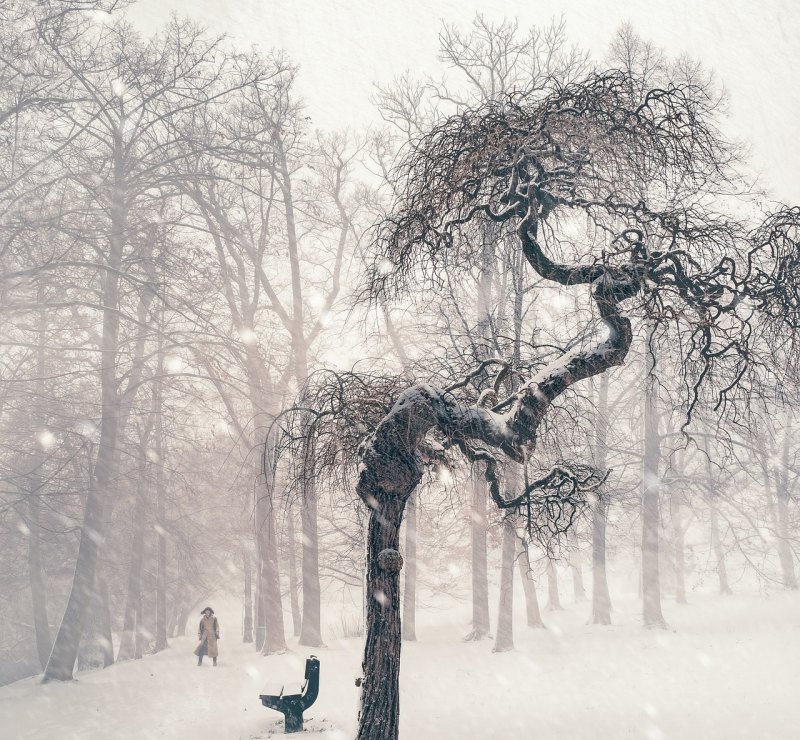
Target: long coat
{"points": [[208, 634]]}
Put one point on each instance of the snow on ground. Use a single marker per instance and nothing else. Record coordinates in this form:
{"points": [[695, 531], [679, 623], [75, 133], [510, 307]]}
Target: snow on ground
{"points": [[729, 667]]}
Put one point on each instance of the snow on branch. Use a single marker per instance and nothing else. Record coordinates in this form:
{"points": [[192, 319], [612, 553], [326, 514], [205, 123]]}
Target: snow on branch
{"points": [[647, 171]]}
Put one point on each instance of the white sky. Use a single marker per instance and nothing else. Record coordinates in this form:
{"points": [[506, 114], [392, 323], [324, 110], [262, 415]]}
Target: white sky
{"points": [[344, 46]]}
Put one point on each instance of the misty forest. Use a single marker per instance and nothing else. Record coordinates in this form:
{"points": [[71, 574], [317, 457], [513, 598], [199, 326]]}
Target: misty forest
{"points": [[506, 378]]}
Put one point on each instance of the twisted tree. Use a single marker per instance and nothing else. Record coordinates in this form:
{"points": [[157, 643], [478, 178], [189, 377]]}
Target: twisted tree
{"points": [[610, 189]]}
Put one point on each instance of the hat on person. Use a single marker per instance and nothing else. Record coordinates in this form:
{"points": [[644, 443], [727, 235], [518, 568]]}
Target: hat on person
{"points": [[207, 609]]}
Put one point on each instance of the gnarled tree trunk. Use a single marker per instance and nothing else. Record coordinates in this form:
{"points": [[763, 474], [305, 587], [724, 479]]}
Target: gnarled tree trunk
{"points": [[391, 467], [410, 567], [379, 716]]}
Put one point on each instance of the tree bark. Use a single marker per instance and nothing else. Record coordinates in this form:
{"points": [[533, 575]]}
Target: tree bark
{"points": [[379, 715], [504, 639], [410, 566]]}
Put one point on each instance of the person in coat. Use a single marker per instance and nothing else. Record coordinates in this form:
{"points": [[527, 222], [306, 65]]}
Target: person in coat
{"points": [[208, 634]]}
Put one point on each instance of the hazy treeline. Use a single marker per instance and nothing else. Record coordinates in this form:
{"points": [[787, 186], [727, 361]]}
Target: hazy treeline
{"points": [[182, 256]]}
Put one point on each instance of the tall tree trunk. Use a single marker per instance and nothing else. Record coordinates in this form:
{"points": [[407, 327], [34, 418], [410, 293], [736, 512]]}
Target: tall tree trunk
{"points": [[716, 544], [553, 597], [44, 643], [247, 627], [379, 716], [276, 636], [578, 589], [260, 611], [36, 579], [183, 617], [61, 664], [106, 639], [311, 629], [161, 574], [678, 547], [176, 607], [96, 649], [292, 550], [127, 645], [782, 494], [269, 578], [532, 612], [601, 598], [310, 632], [65, 648], [410, 566], [480, 576], [776, 512], [504, 639], [142, 635], [651, 488], [161, 513]]}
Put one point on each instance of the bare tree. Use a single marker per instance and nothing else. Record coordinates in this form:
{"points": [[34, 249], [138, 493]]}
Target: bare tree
{"points": [[585, 147], [126, 110]]}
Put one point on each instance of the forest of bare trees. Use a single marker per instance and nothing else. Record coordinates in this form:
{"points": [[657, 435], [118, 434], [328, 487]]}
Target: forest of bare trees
{"points": [[541, 322]]}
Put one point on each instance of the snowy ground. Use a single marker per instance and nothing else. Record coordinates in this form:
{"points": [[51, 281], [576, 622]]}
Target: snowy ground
{"points": [[727, 668]]}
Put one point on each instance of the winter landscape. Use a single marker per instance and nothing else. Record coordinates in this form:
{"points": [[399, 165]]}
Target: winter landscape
{"points": [[456, 345]]}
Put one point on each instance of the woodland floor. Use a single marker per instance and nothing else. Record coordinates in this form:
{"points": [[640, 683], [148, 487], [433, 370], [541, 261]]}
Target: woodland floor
{"points": [[728, 667]]}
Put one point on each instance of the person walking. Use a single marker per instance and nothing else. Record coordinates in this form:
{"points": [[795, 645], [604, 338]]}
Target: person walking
{"points": [[208, 634]]}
